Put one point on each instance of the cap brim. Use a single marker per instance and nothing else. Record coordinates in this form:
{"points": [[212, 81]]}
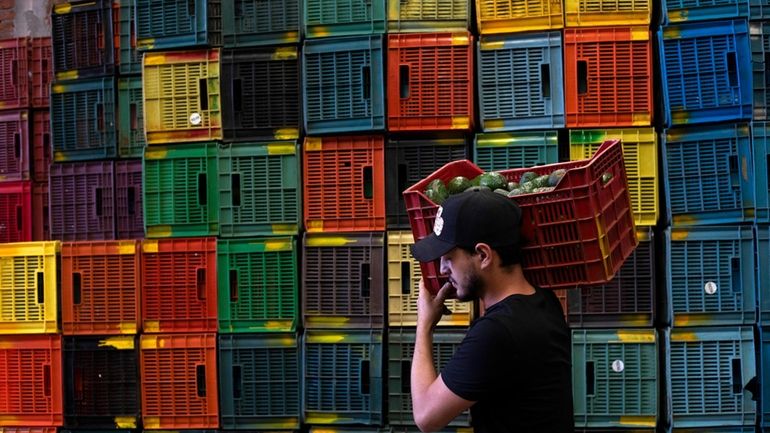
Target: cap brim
{"points": [[430, 248]]}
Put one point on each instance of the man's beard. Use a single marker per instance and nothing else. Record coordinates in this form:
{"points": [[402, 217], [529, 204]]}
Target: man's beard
{"points": [[472, 290]]}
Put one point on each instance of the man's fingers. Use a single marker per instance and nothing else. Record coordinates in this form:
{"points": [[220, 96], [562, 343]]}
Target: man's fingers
{"points": [[444, 292]]}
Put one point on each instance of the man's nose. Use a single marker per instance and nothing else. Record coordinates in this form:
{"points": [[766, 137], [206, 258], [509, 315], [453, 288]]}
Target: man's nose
{"points": [[443, 267]]}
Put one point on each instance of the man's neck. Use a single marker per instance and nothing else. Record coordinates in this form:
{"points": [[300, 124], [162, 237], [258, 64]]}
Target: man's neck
{"points": [[506, 283]]}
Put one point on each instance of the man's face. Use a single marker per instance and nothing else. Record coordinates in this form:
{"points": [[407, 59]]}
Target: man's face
{"points": [[460, 267]]}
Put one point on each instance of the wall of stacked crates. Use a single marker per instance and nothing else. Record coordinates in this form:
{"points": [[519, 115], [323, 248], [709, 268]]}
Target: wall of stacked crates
{"points": [[203, 229]]}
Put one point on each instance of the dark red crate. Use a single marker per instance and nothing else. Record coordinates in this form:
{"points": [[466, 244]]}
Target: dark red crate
{"points": [[14, 145], [128, 199], [179, 285], [82, 201], [14, 78], [31, 381], [83, 44], [430, 81], [101, 382], [41, 227], [41, 71], [344, 184], [179, 381], [15, 211], [579, 234], [41, 145], [608, 77], [100, 287]]}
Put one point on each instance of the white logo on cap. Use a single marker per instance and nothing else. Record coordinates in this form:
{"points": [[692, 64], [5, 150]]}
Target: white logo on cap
{"points": [[438, 225]]}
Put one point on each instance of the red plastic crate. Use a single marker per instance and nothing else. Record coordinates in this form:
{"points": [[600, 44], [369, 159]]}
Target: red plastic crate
{"points": [[14, 145], [128, 199], [28, 429], [41, 145], [430, 81], [179, 381], [15, 211], [14, 79], [608, 76], [31, 380], [100, 287], [579, 234], [41, 71], [179, 285], [344, 184], [41, 230]]}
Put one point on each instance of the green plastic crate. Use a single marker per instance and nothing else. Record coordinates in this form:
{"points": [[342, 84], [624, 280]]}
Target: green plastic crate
{"points": [[258, 284], [322, 18], [130, 118], [248, 23], [615, 378], [503, 151], [180, 196], [259, 189]]}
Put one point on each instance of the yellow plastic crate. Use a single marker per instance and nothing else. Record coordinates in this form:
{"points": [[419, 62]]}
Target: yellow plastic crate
{"points": [[403, 286], [28, 279], [595, 13], [640, 153], [181, 96], [513, 16]]}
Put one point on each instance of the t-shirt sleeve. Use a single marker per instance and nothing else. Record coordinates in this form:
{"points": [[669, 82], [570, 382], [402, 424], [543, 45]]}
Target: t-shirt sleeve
{"points": [[475, 368]]}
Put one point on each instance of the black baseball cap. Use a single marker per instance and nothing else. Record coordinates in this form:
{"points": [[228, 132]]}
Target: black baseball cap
{"points": [[474, 216]]}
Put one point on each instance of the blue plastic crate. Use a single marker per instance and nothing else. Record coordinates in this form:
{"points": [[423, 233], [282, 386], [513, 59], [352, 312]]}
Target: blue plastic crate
{"points": [[760, 142], [130, 57], [342, 377], [83, 119], [503, 151], [710, 276], [169, 24], [259, 384], [760, 62], [322, 18], [763, 273], [677, 11], [615, 377], [343, 85], [409, 161], [759, 10], [706, 71], [708, 174], [708, 370], [764, 362], [247, 23], [521, 81]]}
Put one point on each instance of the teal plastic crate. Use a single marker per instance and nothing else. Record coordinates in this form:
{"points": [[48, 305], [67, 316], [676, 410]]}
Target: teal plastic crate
{"points": [[759, 10], [258, 284], [762, 233], [323, 18], [259, 189], [615, 378], [83, 120], [130, 117], [247, 23], [759, 35], [130, 57], [342, 377], [760, 144], [503, 151], [400, 353], [521, 81], [676, 11], [169, 24], [180, 194], [707, 373], [764, 381], [710, 276], [259, 384]]}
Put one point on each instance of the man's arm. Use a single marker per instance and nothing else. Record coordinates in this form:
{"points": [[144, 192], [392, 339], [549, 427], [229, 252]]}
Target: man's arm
{"points": [[433, 404]]}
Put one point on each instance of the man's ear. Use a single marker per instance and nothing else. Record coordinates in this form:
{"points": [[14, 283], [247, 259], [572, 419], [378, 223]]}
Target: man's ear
{"points": [[485, 252]]}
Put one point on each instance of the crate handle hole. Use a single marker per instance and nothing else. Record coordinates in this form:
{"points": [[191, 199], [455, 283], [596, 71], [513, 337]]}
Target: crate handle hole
{"points": [[233, 285], [47, 380], [204, 93], [406, 278], [14, 71], [590, 378], [732, 163], [366, 82], [40, 287], [98, 200], [403, 79], [737, 376], [237, 100], [735, 274], [200, 277], [545, 80], [237, 385], [402, 168], [191, 8], [366, 280], [368, 182], [200, 379], [235, 185], [406, 372], [202, 196], [19, 219], [77, 279], [732, 68], [582, 76], [364, 376], [131, 197], [17, 145], [134, 117], [100, 117]]}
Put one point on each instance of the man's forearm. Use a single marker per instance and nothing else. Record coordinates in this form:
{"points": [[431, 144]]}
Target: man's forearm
{"points": [[423, 371]]}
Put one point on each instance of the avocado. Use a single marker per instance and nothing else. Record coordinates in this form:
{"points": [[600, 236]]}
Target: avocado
{"points": [[436, 191], [493, 180], [458, 184], [527, 177], [556, 176]]}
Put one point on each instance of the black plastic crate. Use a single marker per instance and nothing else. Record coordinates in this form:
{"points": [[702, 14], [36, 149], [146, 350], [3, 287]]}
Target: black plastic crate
{"points": [[343, 280], [101, 382], [260, 93], [410, 161], [83, 44]]}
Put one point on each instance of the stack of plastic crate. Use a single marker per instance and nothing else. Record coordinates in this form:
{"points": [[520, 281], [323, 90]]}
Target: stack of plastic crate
{"points": [[25, 148], [172, 117]]}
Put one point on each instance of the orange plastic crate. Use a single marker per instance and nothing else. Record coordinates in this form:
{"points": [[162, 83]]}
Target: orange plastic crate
{"points": [[179, 381], [608, 76], [430, 81], [31, 381], [100, 287], [344, 184], [179, 285]]}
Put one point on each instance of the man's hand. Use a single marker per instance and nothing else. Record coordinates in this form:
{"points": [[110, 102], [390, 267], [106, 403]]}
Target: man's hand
{"points": [[430, 307]]}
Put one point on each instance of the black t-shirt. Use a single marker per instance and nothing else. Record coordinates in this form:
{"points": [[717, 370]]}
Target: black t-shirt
{"points": [[515, 362]]}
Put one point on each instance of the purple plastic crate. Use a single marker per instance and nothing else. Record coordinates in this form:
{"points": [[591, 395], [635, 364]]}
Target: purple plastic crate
{"points": [[14, 145], [82, 201], [128, 199]]}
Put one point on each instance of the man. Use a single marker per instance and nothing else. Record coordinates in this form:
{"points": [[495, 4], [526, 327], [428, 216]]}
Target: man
{"points": [[513, 368]]}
